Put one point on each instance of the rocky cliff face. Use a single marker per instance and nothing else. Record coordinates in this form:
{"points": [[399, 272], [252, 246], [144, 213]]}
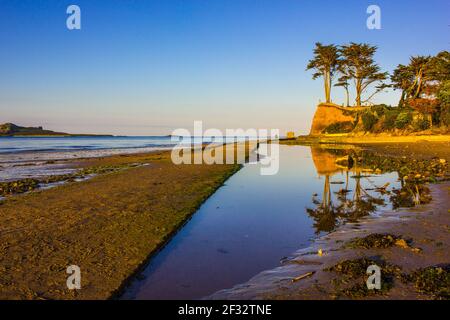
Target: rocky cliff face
{"points": [[328, 114]]}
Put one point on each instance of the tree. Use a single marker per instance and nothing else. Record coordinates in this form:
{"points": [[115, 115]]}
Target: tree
{"points": [[324, 63], [419, 67], [402, 79], [359, 65], [439, 67]]}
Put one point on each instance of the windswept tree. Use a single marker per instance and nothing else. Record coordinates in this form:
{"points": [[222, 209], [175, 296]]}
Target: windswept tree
{"points": [[419, 66], [324, 64], [422, 76], [439, 66], [358, 64], [402, 79]]}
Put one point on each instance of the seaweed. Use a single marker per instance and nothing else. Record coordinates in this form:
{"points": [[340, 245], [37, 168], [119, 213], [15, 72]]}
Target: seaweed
{"points": [[375, 240], [356, 271], [25, 185], [18, 186], [434, 280]]}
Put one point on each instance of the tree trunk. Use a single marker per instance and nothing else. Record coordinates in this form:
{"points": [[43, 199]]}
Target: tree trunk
{"points": [[419, 83], [401, 103], [358, 94], [347, 96], [327, 80]]}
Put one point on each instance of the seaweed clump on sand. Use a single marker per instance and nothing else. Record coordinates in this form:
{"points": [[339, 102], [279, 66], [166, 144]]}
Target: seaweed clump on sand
{"points": [[18, 186], [380, 241], [25, 185], [410, 195], [427, 170], [375, 240], [434, 280], [354, 272]]}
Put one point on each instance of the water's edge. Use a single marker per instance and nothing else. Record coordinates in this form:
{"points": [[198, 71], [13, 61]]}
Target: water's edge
{"points": [[117, 294]]}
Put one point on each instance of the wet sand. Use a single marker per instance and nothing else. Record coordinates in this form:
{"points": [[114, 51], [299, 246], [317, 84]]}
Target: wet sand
{"points": [[108, 225], [22, 165], [111, 224]]}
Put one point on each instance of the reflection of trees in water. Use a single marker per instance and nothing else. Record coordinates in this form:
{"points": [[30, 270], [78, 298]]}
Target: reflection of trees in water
{"points": [[351, 205], [363, 203], [327, 214]]}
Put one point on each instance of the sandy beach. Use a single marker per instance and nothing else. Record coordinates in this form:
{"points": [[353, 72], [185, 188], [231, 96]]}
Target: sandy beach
{"points": [[113, 222], [109, 225]]}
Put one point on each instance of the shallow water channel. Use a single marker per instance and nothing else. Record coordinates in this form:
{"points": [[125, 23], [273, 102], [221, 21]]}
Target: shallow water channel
{"points": [[254, 221]]}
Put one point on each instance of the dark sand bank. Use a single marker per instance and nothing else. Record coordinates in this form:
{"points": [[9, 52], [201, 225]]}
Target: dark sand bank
{"points": [[108, 225]]}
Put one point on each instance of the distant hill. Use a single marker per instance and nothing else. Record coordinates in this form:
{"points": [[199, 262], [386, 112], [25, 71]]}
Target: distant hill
{"points": [[11, 130]]}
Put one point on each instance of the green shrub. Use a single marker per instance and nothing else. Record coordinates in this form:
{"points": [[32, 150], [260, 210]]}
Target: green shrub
{"points": [[380, 109], [403, 119], [339, 127], [369, 120], [422, 124], [444, 93], [389, 119], [444, 117]]}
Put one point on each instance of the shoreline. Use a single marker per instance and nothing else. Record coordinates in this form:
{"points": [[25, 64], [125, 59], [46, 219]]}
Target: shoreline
{"points": [[69, 199], [127, 282], [364, 139], [281, 283], [175, 205], [425, 227]]}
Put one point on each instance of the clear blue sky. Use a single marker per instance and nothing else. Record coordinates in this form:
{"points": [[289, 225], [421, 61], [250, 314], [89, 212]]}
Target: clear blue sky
{"points": [[146, 67]]}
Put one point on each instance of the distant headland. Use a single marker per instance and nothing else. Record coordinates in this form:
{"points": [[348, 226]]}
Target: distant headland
{"points": [[13, 130]]}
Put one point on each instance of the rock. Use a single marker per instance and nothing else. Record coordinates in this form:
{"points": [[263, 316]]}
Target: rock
{"points": [[346, 161], [401, 243]]}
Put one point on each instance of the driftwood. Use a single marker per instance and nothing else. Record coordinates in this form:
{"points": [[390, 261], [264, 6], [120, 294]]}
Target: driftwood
{"points": [[306, 275]]}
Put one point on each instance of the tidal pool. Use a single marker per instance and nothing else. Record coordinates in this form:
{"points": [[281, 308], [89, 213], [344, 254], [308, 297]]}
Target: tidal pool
{"points": [[253, 222]]}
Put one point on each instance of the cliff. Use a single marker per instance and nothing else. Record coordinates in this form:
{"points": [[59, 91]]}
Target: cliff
{"points": [[330, 114]]}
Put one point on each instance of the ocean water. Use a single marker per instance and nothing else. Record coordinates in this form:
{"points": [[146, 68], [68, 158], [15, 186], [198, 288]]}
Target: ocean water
{"points": [[33, 157], [93, 143], [53, 144]]}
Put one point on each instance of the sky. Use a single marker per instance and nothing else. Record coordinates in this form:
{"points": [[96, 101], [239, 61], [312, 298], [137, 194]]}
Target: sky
{"points": [[147, 67]]}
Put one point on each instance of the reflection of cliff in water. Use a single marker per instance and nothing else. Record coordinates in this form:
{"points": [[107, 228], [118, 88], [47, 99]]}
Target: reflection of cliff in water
{"points": [[352, 201]]}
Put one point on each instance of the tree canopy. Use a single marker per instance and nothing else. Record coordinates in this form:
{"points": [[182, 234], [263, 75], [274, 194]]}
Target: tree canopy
{"points": [[324, 64]]}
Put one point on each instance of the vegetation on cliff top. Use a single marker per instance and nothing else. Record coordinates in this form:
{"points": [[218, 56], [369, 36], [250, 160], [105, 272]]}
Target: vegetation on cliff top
{"points": [[424, 83]]}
